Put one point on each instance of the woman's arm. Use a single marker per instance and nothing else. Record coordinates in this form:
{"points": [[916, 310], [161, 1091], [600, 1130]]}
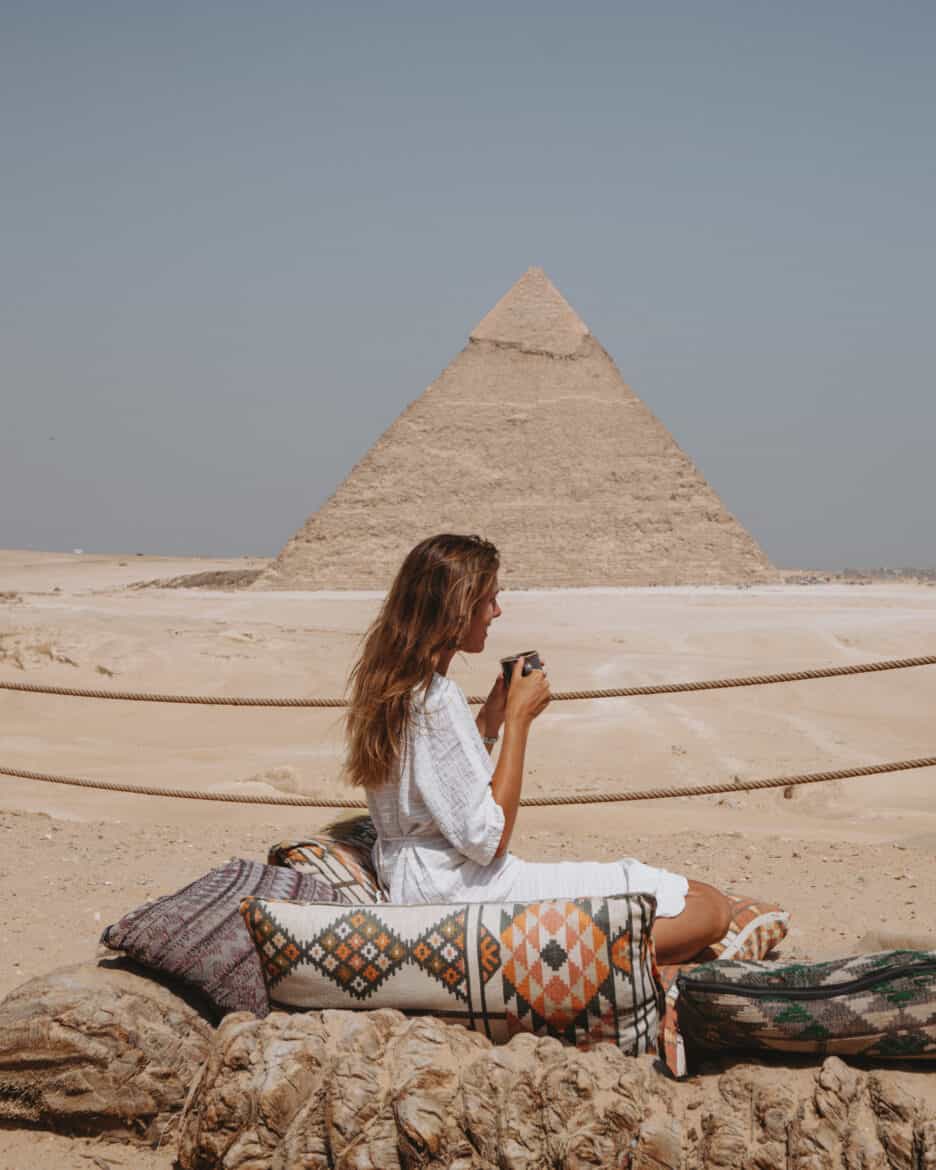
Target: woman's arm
{"points": [[460, 794], [452, 780], [528, 697]]}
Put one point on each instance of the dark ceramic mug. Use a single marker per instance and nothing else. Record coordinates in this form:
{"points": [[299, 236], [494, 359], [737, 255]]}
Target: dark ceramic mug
{"points": [[531, 662]]}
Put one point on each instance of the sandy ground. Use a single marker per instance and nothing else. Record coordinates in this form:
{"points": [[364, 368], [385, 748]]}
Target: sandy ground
{"points": [[853, 860]]}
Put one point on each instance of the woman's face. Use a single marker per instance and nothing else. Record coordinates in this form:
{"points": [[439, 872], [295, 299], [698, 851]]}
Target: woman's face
{"points": [[485, 612]]}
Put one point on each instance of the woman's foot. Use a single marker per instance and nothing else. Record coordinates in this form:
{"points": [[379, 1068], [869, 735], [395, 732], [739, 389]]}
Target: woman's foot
{"points": [[704, 920]]}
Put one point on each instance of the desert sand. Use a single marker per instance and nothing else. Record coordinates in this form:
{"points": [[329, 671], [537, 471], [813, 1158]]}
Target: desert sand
{"points": [[853, 861]]}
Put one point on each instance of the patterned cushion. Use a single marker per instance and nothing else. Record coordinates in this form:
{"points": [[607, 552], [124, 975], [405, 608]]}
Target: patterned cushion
{"points": [[196, 935], [756, 927], [881, 1005], [341, 855], [581, 970]]}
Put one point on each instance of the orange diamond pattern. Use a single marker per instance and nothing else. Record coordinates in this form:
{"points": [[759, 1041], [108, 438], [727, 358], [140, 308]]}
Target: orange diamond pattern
{"points": [[552, 961]]}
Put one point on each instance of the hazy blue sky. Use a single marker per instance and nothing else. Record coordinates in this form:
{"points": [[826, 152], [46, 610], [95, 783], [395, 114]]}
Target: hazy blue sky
{"points": [[237, 239]]}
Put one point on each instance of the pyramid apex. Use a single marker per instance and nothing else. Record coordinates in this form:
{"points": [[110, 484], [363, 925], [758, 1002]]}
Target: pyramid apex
{"points": [[533, 316]]}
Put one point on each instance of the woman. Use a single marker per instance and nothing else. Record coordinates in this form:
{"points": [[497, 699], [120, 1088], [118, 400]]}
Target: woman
{"points": [[444, 813]]}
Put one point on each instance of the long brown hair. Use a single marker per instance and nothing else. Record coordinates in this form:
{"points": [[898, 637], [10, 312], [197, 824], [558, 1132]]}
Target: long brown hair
{"points": [[425, 616]]}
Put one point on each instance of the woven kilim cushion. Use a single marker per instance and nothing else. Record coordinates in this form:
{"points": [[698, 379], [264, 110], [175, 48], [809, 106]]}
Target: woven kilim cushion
{"points": [[340, 855], [581, 970], [756, 927], [881, 1005], [196, 935]]}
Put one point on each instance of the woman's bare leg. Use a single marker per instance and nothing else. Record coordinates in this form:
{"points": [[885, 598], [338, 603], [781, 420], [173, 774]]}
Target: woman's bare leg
{"points": [[704, 920]]}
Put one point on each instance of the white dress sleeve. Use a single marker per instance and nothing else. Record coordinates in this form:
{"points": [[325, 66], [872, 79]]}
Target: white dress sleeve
{"points": [[453, 775]]}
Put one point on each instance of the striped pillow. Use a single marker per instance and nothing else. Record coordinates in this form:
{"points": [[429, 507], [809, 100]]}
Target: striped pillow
{"points": [[196, 934]]}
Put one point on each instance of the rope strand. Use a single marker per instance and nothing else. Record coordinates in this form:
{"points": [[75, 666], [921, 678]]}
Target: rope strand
{"points": [[477, 700], [534, 801], [529, 802]]}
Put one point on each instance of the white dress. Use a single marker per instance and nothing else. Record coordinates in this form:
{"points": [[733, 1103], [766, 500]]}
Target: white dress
{"points": [[438, 825]]}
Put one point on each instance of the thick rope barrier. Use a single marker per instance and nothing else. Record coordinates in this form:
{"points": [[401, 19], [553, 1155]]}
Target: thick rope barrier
{"points": [[477, 700], [528, 802]]}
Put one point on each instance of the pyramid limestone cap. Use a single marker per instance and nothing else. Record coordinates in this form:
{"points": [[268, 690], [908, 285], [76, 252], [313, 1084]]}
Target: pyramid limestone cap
{"points": [[535, 317]]}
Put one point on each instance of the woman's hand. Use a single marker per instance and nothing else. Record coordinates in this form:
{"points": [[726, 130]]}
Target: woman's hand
{"points": [[492, 713], [528, 695]]}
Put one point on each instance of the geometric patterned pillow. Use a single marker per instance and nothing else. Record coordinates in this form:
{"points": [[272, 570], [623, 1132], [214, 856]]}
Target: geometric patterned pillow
{"points": [[881, 1005], [580, 970], [340, 855], [756, 928], [196, 935]]}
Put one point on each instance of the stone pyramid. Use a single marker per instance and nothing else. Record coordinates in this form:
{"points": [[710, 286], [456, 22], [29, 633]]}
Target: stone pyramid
{"points": [[530, 438]]}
